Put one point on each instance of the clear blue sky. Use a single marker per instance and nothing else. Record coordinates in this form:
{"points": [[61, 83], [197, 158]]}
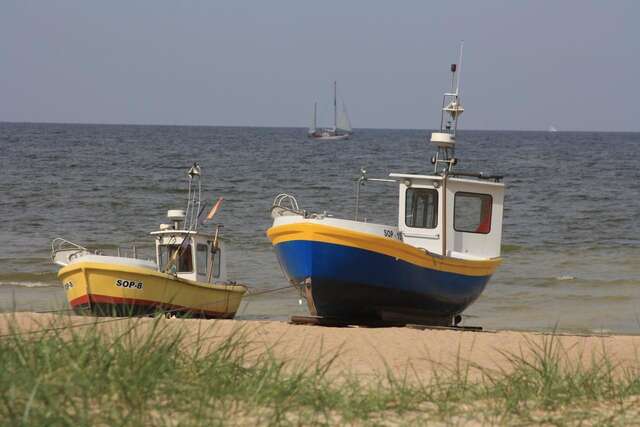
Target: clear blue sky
{"points": [[527, 65]]}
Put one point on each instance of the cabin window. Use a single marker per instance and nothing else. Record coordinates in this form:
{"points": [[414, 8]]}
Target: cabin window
{"points": [[216, 254], [472, 212], [421, 208], [202, 253], [172, 258]]}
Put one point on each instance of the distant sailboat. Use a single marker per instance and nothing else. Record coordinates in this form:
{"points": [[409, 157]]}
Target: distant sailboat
{"points": [[341, 124], [552, 128]]}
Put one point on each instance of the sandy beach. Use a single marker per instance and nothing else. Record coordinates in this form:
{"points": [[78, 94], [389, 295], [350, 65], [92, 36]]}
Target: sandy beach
{"points": [[365, 352]]}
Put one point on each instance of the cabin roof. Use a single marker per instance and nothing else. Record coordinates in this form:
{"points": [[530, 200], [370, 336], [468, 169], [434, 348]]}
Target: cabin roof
{"points": [[476, 179], [415, 176], [181, 232]]}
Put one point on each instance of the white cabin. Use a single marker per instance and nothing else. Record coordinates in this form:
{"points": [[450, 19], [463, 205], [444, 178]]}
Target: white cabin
{"points": [[199, 260], [189, 254], [453, 216]]}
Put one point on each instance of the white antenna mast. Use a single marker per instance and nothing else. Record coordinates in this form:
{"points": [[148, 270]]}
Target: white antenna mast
{"points": [[459, 69], [452, 108]]}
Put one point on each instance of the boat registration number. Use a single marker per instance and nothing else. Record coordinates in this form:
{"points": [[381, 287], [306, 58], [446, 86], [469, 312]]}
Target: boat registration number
{"points": [[132, 284], [390, 233]]}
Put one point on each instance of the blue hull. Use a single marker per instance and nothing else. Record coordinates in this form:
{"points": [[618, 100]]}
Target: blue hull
{"points": [[347, 282]]}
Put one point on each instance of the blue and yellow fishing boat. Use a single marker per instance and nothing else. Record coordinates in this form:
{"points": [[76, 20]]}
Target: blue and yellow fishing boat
{"points": [[428, 269]]}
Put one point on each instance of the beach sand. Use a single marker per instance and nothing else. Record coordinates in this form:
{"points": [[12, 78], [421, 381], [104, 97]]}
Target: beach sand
{"points": [[364, 352]]}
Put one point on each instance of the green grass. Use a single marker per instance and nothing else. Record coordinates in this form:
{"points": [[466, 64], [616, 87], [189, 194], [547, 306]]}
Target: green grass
{"points": [[82, 376]]}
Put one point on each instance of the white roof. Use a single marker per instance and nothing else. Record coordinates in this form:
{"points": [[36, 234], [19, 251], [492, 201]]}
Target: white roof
{"points": [[180, 232], [414, 176], [451, 178]]}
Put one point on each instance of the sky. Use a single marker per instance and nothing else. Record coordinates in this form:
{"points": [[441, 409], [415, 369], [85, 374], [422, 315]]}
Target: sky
{"points": [[573, 64]]}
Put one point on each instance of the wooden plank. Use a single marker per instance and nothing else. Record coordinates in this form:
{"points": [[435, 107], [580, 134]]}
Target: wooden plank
{"points": [[341, 323], [318, 321], [345, 323], [449, 328]]}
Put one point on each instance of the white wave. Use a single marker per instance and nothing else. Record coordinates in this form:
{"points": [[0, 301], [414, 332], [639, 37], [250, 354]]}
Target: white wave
{"points": [[29, 284], [563, 278]]}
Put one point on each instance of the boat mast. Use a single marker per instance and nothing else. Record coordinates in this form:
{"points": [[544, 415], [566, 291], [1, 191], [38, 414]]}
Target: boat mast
{"points": [[452, 108], [193, 199], [315, 108], [335, 105]]}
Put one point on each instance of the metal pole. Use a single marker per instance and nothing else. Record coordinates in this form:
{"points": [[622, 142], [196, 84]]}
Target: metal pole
{"points": [[459, 70], [357, 198], [444, 213]]}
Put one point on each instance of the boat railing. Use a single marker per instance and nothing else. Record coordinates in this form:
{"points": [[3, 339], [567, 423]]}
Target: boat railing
{"points": [[285, 204], [360, 181], [134, 250], [480, 175], [64, 251]]}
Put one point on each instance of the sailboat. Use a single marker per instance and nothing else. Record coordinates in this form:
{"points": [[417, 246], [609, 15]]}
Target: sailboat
{"points": [[341, 125]]}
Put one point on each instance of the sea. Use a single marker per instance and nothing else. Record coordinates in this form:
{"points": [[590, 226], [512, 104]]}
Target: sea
{"points": [[571, 238]]}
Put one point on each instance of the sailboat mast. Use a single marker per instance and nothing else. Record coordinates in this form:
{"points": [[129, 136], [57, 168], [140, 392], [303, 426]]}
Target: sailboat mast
{"points": [[335, 105], [315, 108]]}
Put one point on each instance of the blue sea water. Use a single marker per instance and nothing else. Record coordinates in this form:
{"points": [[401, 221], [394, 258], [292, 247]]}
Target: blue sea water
{"points": [[571, 242]]}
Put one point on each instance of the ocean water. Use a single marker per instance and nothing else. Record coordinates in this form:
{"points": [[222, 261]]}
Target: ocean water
{"points": [[571, 241]]}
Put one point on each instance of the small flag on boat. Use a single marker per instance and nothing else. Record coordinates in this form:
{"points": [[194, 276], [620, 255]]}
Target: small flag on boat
{"points": [[215, 208]]}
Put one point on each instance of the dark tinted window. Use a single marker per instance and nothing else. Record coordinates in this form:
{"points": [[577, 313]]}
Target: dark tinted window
{"points": [[421, 208], [472, 213], [176, 260], [201, 258], [185, 260], [216, 254]]}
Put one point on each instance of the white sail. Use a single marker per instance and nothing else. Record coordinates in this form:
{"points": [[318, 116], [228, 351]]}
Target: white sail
{"points": [[343, 120]]}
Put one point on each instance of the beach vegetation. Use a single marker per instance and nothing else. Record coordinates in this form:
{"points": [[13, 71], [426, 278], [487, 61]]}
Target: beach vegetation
{"points": [[153, 373]]}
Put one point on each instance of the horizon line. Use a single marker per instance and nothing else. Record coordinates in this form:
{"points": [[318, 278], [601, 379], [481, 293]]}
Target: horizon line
{"points": [[303, 127]]}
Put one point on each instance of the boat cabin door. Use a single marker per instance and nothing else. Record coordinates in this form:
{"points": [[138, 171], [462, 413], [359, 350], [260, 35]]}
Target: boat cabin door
{"points": [[419, 212], [208, 260], [474, 218]]}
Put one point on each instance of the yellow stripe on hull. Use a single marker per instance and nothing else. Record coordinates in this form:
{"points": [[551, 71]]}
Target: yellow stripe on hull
{"points": [[92, 282], [390, 247]]}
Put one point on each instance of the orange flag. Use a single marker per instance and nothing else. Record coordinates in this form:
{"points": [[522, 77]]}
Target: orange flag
{"points": [[215, 208]]}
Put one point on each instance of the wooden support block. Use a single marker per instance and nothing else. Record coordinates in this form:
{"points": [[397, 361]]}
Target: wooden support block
{"points": [[342, 323], [318, 321], [448, 328]]}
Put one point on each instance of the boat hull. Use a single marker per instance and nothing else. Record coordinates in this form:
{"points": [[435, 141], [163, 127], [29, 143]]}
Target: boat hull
{"points": [[356, 276], [330, 137], [117, 290]]}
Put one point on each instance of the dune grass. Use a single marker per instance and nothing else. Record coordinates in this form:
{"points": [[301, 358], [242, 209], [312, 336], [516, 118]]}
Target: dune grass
{"points": [[84, 376]]}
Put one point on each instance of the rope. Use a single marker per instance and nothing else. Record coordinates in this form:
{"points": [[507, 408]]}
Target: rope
{"points": [[267, 291]]}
